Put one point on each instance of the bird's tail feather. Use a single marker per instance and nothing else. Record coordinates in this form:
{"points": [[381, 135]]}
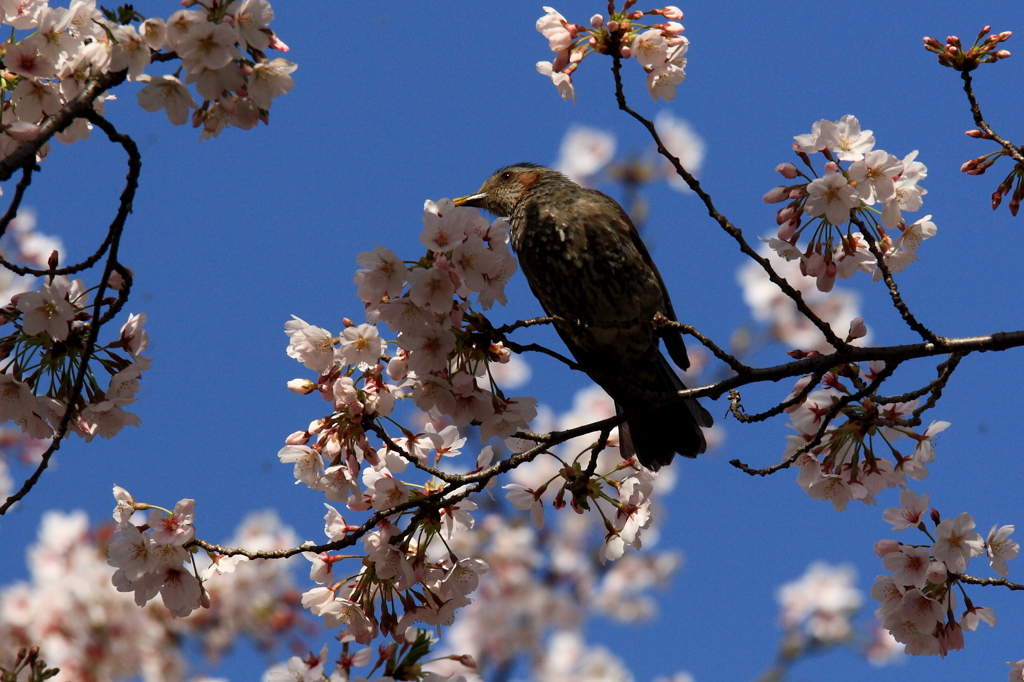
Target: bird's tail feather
{"points": [[655, 436]]}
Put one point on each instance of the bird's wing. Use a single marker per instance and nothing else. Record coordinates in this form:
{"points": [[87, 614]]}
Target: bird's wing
{"points": [[673, 337]]}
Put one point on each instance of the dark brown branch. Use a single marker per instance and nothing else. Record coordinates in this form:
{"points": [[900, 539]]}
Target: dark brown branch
{"points": [[730, 229], [980, 121], [944, 373], [19, 194], [98, 318], [521, 324], [537, 348], [725, 357], [894, 292], [736, 406], [25, 155]]}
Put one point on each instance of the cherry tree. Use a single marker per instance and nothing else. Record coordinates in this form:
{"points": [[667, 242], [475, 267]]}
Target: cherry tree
{"points": [[469, 527]]}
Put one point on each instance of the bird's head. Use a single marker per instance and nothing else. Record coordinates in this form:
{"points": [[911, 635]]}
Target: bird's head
{"points": [[503, 190]]}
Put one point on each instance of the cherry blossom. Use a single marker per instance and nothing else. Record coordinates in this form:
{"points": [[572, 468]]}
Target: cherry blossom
{"points": [[911, 512], [167, 93], [831, 197], [956, 542], [46, 310], [1000, 548]]}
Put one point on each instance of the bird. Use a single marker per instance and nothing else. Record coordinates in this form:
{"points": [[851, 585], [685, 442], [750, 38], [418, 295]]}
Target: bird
{"points": [[586, 264]]}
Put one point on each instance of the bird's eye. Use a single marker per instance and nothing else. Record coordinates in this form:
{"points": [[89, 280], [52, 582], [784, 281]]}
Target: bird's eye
{"points": [[506, 176]]}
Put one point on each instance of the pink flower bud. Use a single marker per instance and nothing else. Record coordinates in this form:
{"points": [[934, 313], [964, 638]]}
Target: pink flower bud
{"points": [[787, 170], [315, 426], [301, 386], [613, 26], [812, 265], [297, 438], [332, 448], [597, 21], [787, 230], [936, 517], [831, 167], [355, 407], [785, 214], [115, 281], [1002, 54], [276, 44], [457, 315], [886, 546], [672, 28], [797, 192], [858, 329], [672, 12], [776, 195], [625, 52], [466, 660]]}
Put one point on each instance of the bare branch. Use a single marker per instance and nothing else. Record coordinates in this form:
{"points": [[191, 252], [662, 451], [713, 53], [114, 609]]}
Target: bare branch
{"points": [[970, 579], [736, 407], [980, 121], [894, 293], [98, 317]]}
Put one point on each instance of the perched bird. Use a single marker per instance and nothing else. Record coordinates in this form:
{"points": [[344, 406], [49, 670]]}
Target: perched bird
{"points": [[586, 264]]}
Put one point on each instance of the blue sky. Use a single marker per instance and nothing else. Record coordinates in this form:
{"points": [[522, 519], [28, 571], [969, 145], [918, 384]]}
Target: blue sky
{"points": [[398, 103]]}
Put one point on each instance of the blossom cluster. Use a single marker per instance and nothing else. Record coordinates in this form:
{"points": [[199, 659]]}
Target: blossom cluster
{"points": [[421, 569], [825, 207], [441, 362], [24, 244], [70, 609], [544, 583], [918, 599], [817, 611], [151, 559], [985, 50], [61, 50], [844, 464], [659, 48], [49, 331]]}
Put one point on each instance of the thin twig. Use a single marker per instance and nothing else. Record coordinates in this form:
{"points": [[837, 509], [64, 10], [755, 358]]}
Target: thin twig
{"points": [[722, 355], [894, 292], [736, 406], [980, 121], [1003, 582]]}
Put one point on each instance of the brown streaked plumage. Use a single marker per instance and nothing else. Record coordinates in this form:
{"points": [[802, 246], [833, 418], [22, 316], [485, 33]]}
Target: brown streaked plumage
{"points": [[587, 265]]}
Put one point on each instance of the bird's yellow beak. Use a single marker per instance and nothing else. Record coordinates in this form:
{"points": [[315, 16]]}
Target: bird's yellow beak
{"points": [[470, 200]]}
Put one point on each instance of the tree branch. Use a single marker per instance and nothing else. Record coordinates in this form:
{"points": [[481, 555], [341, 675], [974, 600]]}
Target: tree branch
{"points": [[730, 229]]}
